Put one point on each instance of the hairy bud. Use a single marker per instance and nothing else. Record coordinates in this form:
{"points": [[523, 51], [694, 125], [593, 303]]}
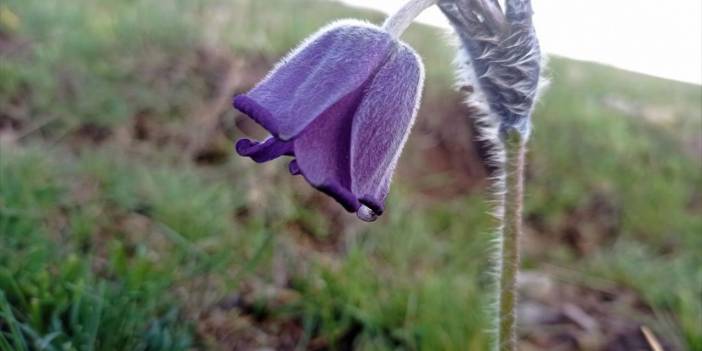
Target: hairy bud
{"points": [[502, 56]]}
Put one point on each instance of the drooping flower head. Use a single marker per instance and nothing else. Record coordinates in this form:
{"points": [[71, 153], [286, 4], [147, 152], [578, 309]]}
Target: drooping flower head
{"points": [[503, 56], [342, 104]]}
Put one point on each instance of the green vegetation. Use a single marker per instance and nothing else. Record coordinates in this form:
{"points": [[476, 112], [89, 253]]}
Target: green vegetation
{"points": [[113, 238]]}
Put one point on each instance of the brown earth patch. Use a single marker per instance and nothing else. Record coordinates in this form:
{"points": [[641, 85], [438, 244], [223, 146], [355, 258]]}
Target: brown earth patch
{"points": [[559, 315]]}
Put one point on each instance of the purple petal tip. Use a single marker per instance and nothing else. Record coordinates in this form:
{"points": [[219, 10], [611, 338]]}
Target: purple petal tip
{"points": [[258, 113], [294, 168], [244, 147]]}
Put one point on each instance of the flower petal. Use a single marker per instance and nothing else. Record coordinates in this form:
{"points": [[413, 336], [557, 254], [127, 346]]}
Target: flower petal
{"points": [[323, 151], [265, 151], [323, 70], [382, 125]]}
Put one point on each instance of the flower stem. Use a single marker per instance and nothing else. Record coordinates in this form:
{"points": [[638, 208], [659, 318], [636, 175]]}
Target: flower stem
{"points": [[515, 146], [401, 20]]}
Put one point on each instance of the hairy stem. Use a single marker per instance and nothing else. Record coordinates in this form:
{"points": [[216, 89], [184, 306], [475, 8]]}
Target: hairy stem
{"points": [[515, 146], [401, 20]]}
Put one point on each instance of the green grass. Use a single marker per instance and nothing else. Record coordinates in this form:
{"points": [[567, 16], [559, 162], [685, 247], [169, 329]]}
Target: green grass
{"points": [[130, 245]]}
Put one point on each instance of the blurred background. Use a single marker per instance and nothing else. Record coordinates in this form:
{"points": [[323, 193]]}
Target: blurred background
{"points": [[126, 222]]}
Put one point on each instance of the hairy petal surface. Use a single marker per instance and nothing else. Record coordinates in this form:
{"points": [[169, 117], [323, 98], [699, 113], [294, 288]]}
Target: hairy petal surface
{"points": [[323, 151], [323, 70], [382, 125]]}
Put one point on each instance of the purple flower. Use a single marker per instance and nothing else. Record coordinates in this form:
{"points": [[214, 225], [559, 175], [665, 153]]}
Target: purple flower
{"points": [[342, 104]]}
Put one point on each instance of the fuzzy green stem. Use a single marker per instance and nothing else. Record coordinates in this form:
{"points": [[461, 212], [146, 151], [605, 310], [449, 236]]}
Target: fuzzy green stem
{"points": [[515, 147]]}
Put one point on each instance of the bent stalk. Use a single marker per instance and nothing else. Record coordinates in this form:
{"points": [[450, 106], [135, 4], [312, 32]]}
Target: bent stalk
{"points": [[401, 20]]}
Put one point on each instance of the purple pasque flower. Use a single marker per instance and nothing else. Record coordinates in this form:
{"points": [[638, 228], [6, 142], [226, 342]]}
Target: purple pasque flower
{"points": [[342, 104], [503, 56]]}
